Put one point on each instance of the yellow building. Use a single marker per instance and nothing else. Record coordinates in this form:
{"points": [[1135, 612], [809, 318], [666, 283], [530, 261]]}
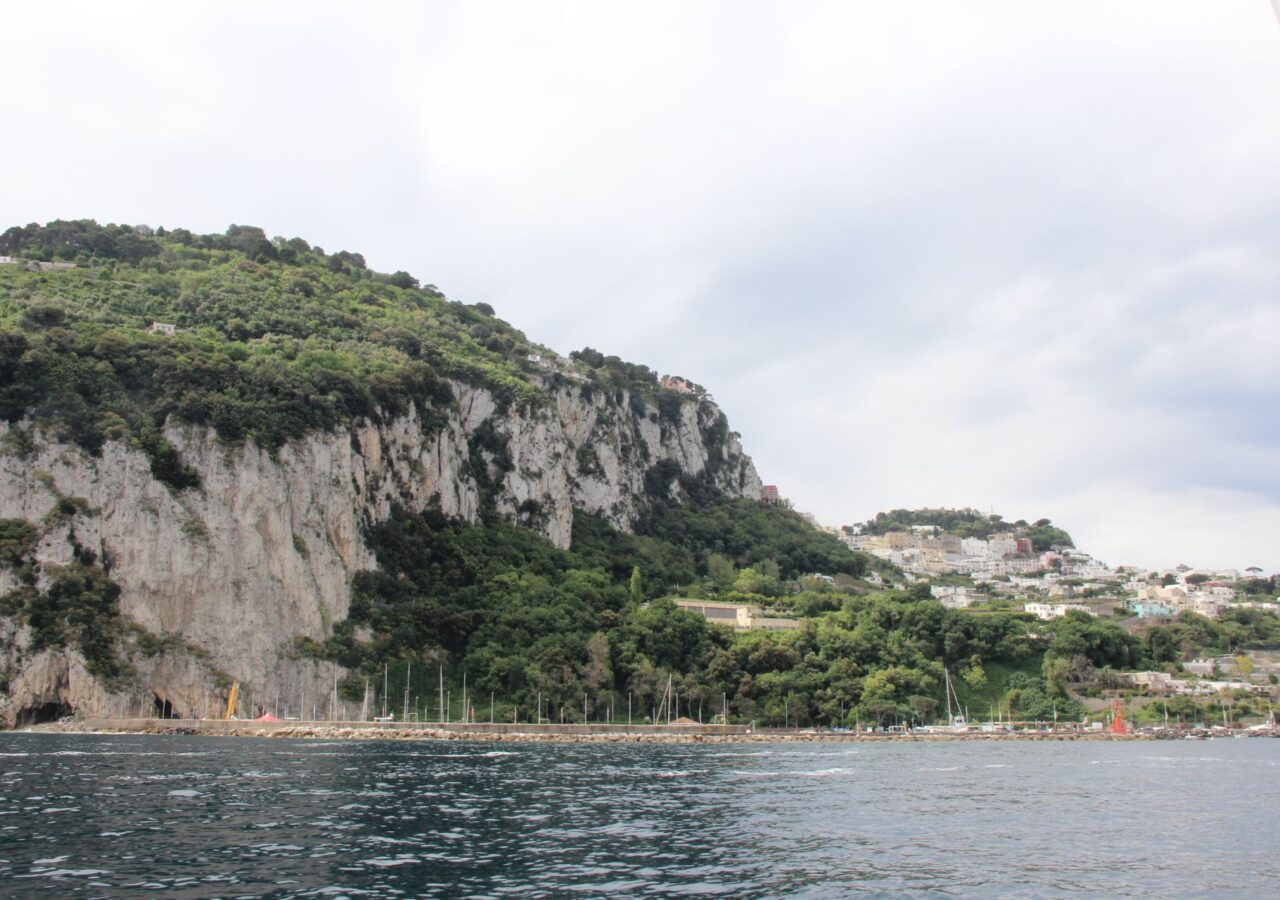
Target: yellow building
{"points": [[739, 617]]}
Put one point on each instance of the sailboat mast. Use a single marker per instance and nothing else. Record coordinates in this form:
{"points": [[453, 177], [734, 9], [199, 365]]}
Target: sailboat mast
{"points": [[407, 673], [946, 672]]}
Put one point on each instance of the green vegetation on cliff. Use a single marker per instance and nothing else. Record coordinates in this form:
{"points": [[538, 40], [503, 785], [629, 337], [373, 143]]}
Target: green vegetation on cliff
{"points": [[677, 543], [73, 606], [524, 619], [274, 338]]}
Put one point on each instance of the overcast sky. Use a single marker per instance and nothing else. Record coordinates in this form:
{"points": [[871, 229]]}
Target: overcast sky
{"points": [[1009, 255]]}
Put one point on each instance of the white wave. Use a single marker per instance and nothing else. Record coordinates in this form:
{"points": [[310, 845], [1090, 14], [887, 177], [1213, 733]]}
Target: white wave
{"points": [[63, 873], [383, 862], [732, 753], [343, 891]]}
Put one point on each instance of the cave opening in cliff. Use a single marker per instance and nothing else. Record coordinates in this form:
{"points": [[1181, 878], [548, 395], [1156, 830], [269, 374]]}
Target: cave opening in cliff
{"points": [[163, 707], [44, 712]]}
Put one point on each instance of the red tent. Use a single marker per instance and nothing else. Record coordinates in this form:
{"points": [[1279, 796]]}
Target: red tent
{"points": [[266, 717]]}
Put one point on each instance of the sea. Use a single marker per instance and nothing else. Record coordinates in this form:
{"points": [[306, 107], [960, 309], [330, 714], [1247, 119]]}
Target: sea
{"points": [[180, 816]]}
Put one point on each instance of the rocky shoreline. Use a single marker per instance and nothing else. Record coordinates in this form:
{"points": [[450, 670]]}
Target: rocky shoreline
{"points": [[552, 734]]}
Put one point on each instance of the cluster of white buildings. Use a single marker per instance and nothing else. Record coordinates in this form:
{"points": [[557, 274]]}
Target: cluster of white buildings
{"points": [[924, 551], [1157, 601], [1206, 593], [1006, 564], [1059, 581]]}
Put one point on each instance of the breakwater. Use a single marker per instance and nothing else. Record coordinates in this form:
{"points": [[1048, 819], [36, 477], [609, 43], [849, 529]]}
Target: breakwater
{"points": [[549, 733]]}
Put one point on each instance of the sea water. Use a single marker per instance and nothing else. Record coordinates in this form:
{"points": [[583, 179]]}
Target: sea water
{"points": [[111, 816]]}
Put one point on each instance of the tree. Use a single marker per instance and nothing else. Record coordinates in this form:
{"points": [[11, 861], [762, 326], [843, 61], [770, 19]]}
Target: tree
{"points": [[920, 591], [1055, 672], [923, 709], [750, 581], [1242, 666], [975, 676], [637, 587], [18, 539], [886, 693], [597, 673], [720, 570], [1101, 643]]}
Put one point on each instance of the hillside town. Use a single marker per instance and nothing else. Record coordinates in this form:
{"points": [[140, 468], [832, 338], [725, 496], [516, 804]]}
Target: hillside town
{"points": [[969, 571], [1007, 569]]}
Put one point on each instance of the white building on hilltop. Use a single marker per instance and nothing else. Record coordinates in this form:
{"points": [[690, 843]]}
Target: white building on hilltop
{"points": [[1054, 610]]}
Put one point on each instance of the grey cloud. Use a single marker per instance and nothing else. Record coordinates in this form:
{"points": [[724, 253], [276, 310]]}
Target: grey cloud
{"points": [[922, 254]]}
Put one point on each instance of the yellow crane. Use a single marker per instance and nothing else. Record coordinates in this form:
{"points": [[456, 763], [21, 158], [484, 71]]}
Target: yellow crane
{"points": [[231, 701]]}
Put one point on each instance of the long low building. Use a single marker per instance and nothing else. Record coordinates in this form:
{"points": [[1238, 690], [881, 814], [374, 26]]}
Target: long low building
{"points": [[1164, 683], [738, 616]]}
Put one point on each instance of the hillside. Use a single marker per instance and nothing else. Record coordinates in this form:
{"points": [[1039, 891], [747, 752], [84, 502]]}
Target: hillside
{"points": [[320, 469], [321, 474], [324, 476]]}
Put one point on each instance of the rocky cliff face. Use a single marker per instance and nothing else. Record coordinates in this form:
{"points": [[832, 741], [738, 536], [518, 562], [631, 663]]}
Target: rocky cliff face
{"points": [[228, 575]]}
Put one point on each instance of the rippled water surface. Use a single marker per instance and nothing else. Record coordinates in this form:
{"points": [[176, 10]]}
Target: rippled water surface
{"points": [[204, 817]]}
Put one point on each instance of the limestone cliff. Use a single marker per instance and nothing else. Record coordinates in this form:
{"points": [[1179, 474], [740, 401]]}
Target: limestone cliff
{"points": [[221, 579]]}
